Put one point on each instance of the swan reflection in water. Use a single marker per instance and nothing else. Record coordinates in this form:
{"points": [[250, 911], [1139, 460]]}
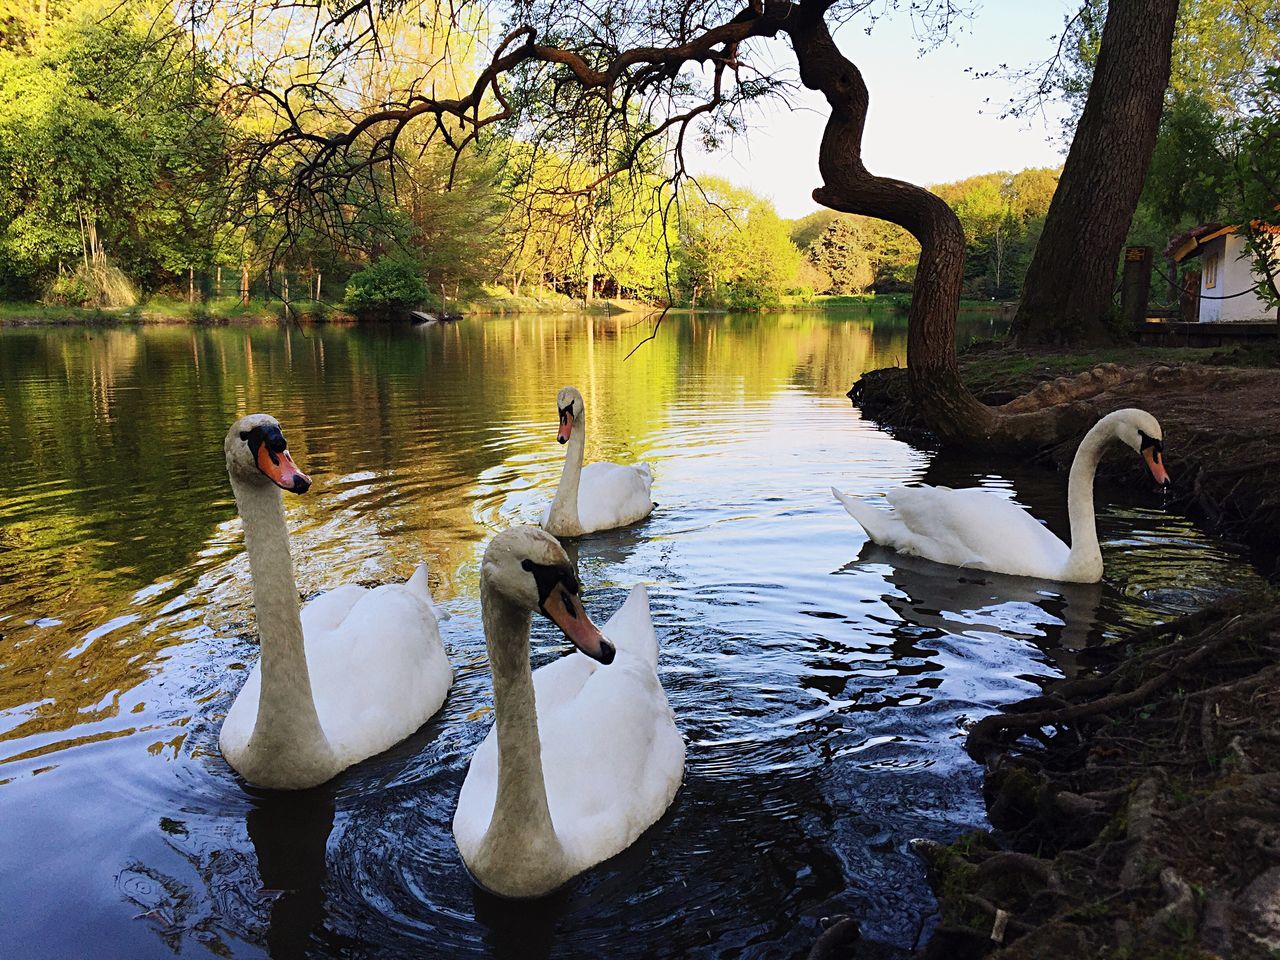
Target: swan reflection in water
{"points": [[290, 833], [1060, 618], [283, 906]]}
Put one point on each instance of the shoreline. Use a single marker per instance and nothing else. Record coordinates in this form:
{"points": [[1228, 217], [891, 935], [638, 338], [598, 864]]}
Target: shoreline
{"points": [[181, 313], [1134, 808]]}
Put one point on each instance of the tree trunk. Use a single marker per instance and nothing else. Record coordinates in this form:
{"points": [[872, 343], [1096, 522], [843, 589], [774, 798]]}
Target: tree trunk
{"points": [[1069, 284], [948, 406]]}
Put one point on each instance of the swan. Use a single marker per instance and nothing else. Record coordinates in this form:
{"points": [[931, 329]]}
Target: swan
{"points": [[974, 528], [582, 758], [352, 674], [600, 496]]}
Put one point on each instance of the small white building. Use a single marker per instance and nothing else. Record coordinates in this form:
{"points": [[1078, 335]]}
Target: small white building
{"points": [[1226, 274]]}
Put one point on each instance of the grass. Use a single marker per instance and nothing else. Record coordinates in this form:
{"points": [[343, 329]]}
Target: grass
{"points": [[500, 300], [154, 310], [987, 361]]}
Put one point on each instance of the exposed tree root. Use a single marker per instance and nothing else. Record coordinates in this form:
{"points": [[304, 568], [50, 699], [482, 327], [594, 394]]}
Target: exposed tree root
{"points": [[1142, 819]]}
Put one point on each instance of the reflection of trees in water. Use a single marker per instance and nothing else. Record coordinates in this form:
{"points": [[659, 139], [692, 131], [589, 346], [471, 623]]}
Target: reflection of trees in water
{"points": [[279, 900], [223, 905]]}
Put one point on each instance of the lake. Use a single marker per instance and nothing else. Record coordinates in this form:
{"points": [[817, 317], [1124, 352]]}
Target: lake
{"points": [[823, 686]]}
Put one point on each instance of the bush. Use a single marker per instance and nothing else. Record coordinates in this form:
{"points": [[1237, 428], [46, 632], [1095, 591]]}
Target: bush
{"points": [[67, 290], [101, 284], [386, 288]]}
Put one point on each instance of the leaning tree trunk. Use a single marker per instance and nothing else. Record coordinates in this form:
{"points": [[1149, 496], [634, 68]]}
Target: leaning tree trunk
{"points": [[945, 403], [948, 406], [1070, 280]]}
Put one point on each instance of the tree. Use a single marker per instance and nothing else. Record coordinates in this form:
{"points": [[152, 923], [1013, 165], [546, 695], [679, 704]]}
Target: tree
{"points": [[734, 249], [808, 228], [841, 252], [386, 289], [1072, 273], [105, 146], [1251, 145]]}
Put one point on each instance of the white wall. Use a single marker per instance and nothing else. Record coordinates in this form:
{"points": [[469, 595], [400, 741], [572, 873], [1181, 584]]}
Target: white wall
{"points": [[1234, 273]]}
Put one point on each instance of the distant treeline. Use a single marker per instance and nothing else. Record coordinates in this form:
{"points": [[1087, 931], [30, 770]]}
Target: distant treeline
{"points": [[125, 142]]}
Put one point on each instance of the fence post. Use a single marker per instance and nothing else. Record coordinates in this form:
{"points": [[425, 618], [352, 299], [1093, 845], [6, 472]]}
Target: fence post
{"points": [[1135, 286]]}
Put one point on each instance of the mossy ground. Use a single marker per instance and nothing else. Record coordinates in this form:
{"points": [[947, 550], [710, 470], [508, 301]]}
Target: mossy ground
{"points": [[1136, 810]]}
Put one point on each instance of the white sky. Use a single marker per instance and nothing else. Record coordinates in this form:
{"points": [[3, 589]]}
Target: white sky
{"points": [[928, 122]]}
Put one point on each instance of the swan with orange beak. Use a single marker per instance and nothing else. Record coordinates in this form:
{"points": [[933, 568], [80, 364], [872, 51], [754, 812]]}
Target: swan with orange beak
{"points": [[347, 676], [599, 496], [975, 528], [584, 754]]}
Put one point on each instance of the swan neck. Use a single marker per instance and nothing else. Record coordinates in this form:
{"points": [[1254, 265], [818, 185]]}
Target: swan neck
{"points": [[521, 816], [287, 725], [563, 518], [1085, 552]]}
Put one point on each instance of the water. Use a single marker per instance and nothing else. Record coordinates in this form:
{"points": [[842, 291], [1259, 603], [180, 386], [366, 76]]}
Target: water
{"points": [[823, 686]]}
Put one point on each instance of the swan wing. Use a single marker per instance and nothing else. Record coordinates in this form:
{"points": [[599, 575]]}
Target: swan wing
{"points": [[614, 495], [330, 608], [380, 673], [613, 760], [884, 527], [975, 528], [630, 629]]}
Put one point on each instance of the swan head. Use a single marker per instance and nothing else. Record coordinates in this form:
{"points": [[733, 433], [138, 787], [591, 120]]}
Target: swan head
{"points": [[530, 570], [1141, 431], [569, 405], [257, 455]]}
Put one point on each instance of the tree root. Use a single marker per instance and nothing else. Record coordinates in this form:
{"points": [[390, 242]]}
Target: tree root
{"points": [[1113, 840]]}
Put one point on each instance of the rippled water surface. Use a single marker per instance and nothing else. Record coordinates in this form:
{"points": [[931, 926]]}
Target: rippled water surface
{"points": [[823, 686]]}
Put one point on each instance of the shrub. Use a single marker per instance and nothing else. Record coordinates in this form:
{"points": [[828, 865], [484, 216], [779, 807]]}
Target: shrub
{"points": [[386, 288], [101, 284], [67, 290]]}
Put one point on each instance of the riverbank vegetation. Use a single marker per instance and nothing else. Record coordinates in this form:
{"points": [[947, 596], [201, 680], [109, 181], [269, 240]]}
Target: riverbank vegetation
{"points": [[118, 196]]}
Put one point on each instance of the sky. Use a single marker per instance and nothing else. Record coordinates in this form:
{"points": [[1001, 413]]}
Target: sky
{"points": [[929, 121]]}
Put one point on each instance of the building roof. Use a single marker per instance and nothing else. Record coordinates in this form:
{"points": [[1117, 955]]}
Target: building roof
{"points": [[1191, 243]]}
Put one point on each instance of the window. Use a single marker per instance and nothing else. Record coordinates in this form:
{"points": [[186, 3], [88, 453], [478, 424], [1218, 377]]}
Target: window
{"points": [[1211, 270]]}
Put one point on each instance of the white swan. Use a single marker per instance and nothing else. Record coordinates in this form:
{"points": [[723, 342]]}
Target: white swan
{"points": [[973, 528], [600, 496], [582, 758], [356, 672]]}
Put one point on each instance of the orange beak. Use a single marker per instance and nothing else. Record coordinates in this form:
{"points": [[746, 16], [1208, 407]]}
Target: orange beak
{"points": [[282, 471], [566, 427], [1156, 466], [567, 613]]}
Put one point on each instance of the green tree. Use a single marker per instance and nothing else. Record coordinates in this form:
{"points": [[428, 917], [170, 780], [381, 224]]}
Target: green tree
{"points": [[735, 251], [386, 289], [107, 148], [842, 252]]}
